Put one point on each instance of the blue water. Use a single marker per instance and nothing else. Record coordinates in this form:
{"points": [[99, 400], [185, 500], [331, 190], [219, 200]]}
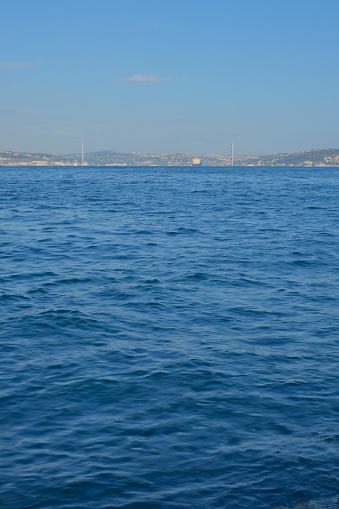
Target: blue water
{"points": [[169, 337]]}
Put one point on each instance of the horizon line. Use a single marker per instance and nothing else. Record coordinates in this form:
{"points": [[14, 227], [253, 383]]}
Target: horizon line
{"points": [[170, 153]]}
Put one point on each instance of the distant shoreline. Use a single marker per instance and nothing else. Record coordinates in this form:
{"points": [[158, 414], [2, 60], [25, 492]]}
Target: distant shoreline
{"points": [[312, 158]]}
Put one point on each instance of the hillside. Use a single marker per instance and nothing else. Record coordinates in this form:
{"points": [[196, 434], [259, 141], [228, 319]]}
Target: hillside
{"points": [[320, 157]]}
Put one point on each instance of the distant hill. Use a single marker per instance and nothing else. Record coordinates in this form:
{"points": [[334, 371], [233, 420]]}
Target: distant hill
{"points": [[319, 157]]}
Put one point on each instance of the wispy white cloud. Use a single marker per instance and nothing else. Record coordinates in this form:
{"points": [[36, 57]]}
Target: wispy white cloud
{"points": [[144, 78], [19, 65], [18, 112], [15, 65]]}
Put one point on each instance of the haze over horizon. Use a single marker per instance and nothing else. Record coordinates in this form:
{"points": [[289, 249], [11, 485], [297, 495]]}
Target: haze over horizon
{"points": [[190, 77]]}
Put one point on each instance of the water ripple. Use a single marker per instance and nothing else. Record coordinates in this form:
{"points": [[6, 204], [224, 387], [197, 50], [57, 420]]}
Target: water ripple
{"points": [[168, 337]]}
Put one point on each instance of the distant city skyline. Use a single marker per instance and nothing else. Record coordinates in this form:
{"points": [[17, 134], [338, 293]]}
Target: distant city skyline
{"points": [[188, 76]]}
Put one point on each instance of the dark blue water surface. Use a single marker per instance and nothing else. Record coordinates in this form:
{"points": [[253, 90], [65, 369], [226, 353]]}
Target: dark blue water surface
{"points": [[169, 337]]}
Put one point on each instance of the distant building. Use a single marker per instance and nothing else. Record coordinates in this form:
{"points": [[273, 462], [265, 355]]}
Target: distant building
{"points": [[40, 163], [196, 161]]}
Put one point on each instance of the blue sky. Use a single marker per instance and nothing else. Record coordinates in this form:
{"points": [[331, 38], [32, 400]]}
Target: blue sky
{"points": [[165, 76]]}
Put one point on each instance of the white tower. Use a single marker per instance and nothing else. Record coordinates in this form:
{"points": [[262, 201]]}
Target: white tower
{"points": [[232, 154]]}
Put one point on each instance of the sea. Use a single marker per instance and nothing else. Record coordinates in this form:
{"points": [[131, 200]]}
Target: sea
{"points": [[169, 337]]}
